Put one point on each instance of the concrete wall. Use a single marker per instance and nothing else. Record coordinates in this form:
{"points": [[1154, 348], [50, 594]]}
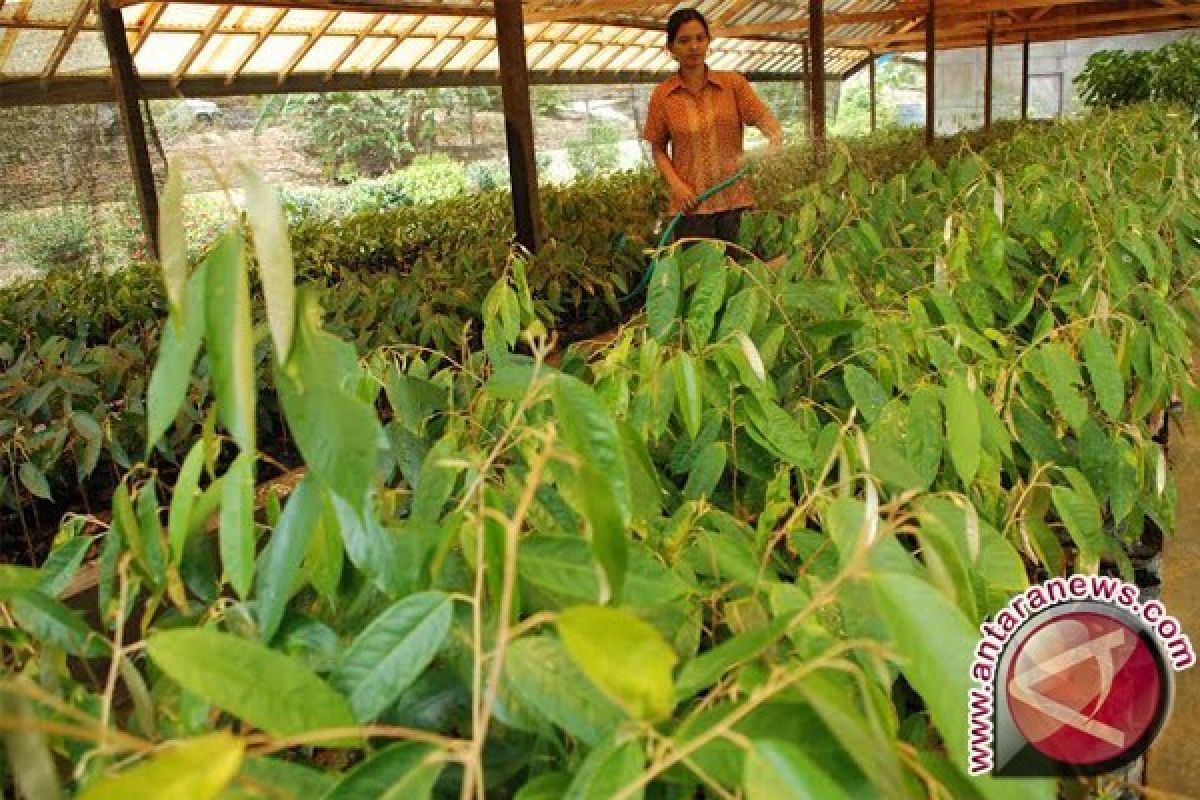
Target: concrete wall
{"points": [[1052, 70]]}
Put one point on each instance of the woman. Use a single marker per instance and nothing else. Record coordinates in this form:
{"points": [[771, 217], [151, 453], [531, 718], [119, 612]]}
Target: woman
{"points": [[702, 113]]}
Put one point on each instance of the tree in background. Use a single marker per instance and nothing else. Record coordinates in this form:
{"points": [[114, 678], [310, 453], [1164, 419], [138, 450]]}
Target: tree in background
{"points": [[854, 112], [1115, 78]]}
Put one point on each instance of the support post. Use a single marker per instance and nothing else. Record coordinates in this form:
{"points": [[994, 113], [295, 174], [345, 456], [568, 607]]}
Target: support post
{"points": [[1025, 78], [808, 106], [930, 73], [874, 91], [125, 86], [518, 122], [988, 67], [816, 38]]}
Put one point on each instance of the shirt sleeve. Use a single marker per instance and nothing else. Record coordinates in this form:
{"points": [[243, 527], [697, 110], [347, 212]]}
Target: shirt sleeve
{"points": [[753, 110], [655, 130]]}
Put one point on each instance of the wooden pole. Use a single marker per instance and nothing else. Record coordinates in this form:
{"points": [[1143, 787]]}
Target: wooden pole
{"points": [[988, 76], [808, 107], [125, 86], [518, 122], [816, 38], [1025, 78], [874, 90], [930, 72]]}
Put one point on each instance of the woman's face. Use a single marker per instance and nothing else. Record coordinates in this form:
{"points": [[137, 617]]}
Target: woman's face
{"points": [[690, 47]]}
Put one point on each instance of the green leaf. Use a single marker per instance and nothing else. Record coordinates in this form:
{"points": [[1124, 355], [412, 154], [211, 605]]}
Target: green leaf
{"points": [[1060, 372], [543, 677], [34, 480], [237, 524], [1105, 374], [689, 391], [783, 433], [403, 771], [229, 332], [706, 472], [740, 313], [436, 482], [547, 786], [707, 668], [662, 298], [865, 391], [707, 297], [180, 344], [31, 768], [608, 769], [293, 780], [646, 493], [777, 770], [172, 241], [563, 565], [623, 656], [935, 644], [50, 622], [963, 436], [183, 498], [197, 769], [60, 566], [273, 250], [603, 477], [284, 553], [1080, 513], [228, 672], [153, 539], [392, 652]]}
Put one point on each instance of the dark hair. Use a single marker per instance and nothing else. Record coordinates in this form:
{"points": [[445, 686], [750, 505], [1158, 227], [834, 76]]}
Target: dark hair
{"points": [[677, 20]]}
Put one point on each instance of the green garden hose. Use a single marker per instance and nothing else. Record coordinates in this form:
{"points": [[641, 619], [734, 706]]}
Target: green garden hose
{"points": [[669, 232]]}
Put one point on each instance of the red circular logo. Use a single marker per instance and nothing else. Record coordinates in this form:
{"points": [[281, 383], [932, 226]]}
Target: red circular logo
{"points": [[1084, 688]]}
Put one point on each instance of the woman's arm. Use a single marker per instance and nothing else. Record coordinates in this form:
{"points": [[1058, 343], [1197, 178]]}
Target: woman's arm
{"points": [[682, 195]]}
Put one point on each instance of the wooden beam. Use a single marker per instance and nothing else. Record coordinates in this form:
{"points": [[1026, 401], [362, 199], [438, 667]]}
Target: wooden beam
{"points": [[146, 26], [567, 13], [816, 38], [518, 122], [68, 38], [359, 38], [931, 74], [874, 94], [125, 86], [589, 34], [1025, 79], [470, 37], [369, 72], [988, 68], [978, 37], [808, 84]]}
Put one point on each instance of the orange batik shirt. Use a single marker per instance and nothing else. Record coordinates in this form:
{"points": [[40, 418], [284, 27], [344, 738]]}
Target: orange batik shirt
{"points": [[705, 132]]}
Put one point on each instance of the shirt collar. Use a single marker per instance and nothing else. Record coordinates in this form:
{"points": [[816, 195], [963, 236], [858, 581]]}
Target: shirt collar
{"points": [[714, 78]]}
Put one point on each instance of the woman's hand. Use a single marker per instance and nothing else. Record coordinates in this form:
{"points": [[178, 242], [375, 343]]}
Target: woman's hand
{"points": [[683, 197]]}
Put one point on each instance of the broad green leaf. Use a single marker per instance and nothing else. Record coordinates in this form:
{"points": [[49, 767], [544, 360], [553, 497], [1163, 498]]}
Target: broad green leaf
{"points": [[963, 437], [935, 644], [777, 770], [229, 332], [663, 296], [689, 391], [237, 524], [1104, 372], [228, 671], [865, 391], [51, 622], [783, 433], [603, 478], [294, 781], [392, 652], [172, 241], [707, 297], [273, 250], [402, 771], [436, 482], [563, 565], [1082, 517], [1060, 373], [623, 656], [708, 667], [31, 769], [15, 579], [547, 786], [646, 493], [183, 498], [741, 312], [197, 769], [280, 562], [609, 769], [34, 480], [154, 540], [60, 566], [182, 334], [706, 472], [543, 677]]}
